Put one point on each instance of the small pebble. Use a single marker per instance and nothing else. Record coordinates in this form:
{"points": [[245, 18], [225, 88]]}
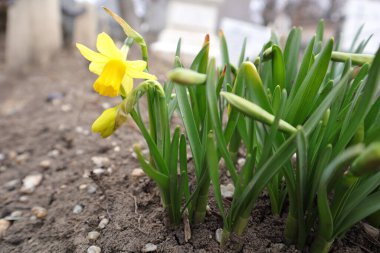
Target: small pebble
{"points": [[30, 183], [241, 162], [14, 216], [12, 155], [94, 249], [208, 209], [3, 168], [45, 164], [370, 230], [52, 96], [100, 161], [98, 171], [4, 225], [66, 108], [91, 189], [11, 185], [22, 157], [103, 223], [93, 235], [137, 173], [218, 235], [116, 149], [82, 187], [53, 153], [149, 247], [227, 190], [2, 156], [39, 212], [77, 209], [23, 198]]}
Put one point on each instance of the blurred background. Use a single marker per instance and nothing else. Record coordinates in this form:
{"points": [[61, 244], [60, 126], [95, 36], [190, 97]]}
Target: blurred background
{"points": [[33, 31]]}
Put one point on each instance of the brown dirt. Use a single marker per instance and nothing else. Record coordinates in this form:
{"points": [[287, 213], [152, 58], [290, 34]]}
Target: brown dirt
{"points": [[31, 128]]}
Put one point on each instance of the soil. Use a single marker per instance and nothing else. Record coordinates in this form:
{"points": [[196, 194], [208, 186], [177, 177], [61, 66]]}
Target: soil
{"points": [[46, 114]]}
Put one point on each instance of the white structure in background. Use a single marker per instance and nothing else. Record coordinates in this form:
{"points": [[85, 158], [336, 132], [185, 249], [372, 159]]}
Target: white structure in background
{"points": [[359, 12], [86, 27], [190, 21], [236, 31], [33, 33]]}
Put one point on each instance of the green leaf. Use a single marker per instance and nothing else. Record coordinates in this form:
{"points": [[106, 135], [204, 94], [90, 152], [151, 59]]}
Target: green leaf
{"points": [[213, 165], [184, 179], [304, 68], [367, 207], [291, 54], [216, 121], [191, 127], [363, 105], [278, 68], [326, 226], [300, 107], [225, 57], [161, 179]]}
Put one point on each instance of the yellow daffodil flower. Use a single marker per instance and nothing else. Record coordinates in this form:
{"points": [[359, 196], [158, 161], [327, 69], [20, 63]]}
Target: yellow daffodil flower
{"points": [[105, 124], [115, 72]]}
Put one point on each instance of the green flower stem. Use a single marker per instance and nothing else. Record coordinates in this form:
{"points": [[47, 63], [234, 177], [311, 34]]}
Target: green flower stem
{"points": [[201, 201], [321, 245], [234, 145], [357, 59], [291, 229], [241, 223], [225, 237]]}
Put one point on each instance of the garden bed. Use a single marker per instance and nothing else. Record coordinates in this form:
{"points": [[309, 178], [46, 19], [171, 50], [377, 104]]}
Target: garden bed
{"points": [[46, 116]]}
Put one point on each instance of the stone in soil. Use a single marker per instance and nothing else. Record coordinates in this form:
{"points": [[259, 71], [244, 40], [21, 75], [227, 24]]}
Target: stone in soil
{"points": [[370, 230], [149, 247], [227, 190], [11, 185], [30, 182], [218, 235], [39, 212], [99, 171], [4, 225], [15, 215], [77, 209], [103, 223], [100, 161], [45, 164], [93, 235], [91, 189], [137, 173], [94, 249]]}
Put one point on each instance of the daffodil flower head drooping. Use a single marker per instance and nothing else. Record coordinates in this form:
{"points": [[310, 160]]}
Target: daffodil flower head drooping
{"points": [[115, 72], [105, 123]]}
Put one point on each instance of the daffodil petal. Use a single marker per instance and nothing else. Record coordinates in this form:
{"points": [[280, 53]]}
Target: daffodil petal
{"points": [[136, 65], [90, 54], [140, 74], [106, 46], [97, 67], [127, 84]]}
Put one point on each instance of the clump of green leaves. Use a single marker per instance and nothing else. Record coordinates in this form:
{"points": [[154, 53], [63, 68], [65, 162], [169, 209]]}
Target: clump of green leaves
{"points": [[308, 128]]}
